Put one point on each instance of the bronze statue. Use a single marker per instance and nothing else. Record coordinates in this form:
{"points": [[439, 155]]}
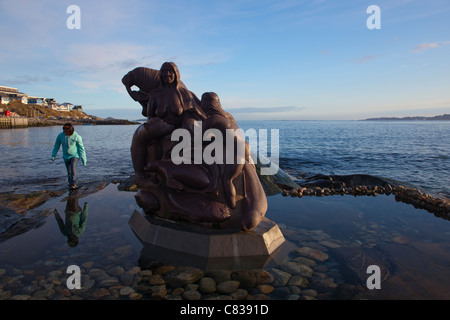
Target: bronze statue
{"points": [[146, 80], [223, 194]]}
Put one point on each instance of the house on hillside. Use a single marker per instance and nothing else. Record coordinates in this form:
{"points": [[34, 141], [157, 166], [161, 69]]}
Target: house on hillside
{"points": [[66, 106], [51, 103], [9, 94], [23, 97], [4, 98], [36, 101], [8, 89]]}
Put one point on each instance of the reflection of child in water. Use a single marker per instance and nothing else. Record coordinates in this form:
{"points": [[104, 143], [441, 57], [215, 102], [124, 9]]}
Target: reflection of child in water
{"points": [[75, 220]]}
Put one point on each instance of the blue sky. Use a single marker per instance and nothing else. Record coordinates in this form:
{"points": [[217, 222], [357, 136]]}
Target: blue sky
{"points": [[306, 60]]}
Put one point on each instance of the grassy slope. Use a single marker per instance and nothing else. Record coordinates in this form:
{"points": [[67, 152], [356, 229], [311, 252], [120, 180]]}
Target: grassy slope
{"points": [[44, 112]]}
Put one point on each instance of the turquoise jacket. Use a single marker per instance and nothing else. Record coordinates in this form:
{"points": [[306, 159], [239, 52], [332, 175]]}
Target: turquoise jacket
{"points": [[75, 221], [72, 147]]}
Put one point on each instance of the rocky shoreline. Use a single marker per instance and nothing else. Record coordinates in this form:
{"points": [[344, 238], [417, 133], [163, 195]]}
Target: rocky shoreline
{"points": [[351, 185]]}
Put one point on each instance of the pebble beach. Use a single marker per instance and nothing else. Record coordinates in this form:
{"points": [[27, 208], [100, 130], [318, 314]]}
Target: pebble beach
{"points": [[318, 265]]}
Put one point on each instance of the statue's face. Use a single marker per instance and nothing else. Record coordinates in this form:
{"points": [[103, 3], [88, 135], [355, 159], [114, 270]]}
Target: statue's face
{"points": [[168, 76]]}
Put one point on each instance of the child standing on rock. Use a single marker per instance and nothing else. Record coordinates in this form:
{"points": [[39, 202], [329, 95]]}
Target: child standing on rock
{"points": [[73, 150]]}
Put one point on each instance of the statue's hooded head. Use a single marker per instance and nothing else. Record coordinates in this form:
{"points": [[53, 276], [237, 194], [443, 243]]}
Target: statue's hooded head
{"points": [[211, 103], [169, 74]]}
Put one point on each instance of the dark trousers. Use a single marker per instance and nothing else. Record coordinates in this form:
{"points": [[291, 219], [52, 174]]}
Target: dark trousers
{"points": [[71, 166]]}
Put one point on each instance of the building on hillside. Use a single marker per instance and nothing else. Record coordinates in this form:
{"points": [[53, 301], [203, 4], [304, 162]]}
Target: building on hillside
{"points": [[51, 103], [57, 107], [36, 100], [4, 98], [8, 89], [66, 106], [22, 98], [61, 107], [9, 94]]}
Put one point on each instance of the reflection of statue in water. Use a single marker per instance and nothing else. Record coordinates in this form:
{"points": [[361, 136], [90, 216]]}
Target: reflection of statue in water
{"points": [[75, 221], [225, 194]]}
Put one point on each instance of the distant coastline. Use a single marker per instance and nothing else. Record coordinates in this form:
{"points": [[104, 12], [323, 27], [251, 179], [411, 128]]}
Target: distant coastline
{"points": [[444, 117]]}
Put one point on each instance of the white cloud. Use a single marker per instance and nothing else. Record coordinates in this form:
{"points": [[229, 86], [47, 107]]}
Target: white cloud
{"points": [[366, 59], [106, 64], [102, 66], [94, 58], [89, 85], [433, 45]]}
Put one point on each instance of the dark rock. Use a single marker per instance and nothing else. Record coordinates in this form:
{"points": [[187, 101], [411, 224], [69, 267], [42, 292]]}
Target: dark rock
{"points": [[183, 275], [227, 287], [127, 185], [274, 184], [18, 224], [247, 278], [338, 181], [355, 260], [207, 285]]}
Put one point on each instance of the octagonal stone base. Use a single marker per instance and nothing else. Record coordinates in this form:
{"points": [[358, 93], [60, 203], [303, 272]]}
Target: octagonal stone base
{"points": [[164, 239]]}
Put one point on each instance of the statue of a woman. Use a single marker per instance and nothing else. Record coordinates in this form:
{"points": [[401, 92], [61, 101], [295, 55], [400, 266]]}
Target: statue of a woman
{"points": [[165, 112]]}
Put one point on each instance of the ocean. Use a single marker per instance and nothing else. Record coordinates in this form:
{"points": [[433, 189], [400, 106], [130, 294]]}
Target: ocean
{"points": [[416, 153], [347, 235]]}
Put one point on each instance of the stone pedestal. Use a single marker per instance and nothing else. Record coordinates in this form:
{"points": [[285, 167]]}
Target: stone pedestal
{"points": [[164, 239]]}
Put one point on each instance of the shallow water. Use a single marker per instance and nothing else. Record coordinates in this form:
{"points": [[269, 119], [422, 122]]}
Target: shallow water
{"points": [[410, 246], [412, 152], [416, 153]]}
